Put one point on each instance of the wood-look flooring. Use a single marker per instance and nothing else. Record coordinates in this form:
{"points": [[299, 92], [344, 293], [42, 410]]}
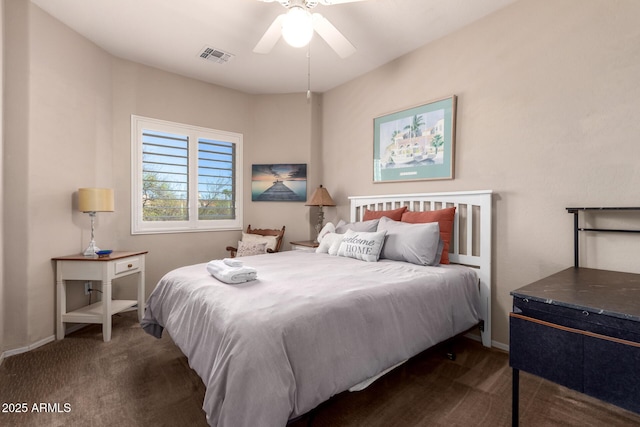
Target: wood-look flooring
{"points": [[137, 380]]}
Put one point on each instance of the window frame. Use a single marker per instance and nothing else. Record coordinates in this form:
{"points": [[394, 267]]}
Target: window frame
{"points": [[194, 133]]}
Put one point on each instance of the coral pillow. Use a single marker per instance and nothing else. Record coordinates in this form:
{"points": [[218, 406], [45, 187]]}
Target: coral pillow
{"points": [[444, 218], [394, 214]]}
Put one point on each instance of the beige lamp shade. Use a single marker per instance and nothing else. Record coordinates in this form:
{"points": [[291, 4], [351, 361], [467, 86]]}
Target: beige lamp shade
{"points": [[95, 199], [321, 197]]}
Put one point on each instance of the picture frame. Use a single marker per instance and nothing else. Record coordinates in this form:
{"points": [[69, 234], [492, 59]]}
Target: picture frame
{"points": [[286, 182], [417, 143]]}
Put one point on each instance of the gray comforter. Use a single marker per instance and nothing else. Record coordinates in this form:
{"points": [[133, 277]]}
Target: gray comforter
{"points": [[311, 326]]}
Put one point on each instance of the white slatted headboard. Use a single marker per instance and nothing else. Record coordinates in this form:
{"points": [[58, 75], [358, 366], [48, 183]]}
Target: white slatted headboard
{"points": [[471, 238]]}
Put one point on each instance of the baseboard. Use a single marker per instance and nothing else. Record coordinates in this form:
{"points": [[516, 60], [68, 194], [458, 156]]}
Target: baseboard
{"points": [[30, 347], [500, 346], [496, 344], [39, 343]]}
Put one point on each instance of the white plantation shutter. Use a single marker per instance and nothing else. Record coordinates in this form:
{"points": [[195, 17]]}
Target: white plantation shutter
{"points": [[184, 178], [216, 180], [165, 176]]}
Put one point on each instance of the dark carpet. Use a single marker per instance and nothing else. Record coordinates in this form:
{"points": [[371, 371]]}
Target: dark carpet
{"points": [[137, 380]]}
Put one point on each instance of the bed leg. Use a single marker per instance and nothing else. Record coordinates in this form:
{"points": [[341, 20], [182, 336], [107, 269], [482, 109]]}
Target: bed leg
{"points": [[451, 354], [312, 416]]}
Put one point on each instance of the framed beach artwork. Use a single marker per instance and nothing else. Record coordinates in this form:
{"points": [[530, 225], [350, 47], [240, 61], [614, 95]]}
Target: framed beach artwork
{"points": [[416, 143], [279, 183]]}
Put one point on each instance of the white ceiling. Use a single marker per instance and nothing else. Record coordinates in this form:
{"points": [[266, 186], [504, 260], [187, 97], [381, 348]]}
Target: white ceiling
{"points": [[170, 34]]}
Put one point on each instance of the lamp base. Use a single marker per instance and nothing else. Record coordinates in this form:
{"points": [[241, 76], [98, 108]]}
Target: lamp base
{"points": [[318, 228], [91, 250], [319, 224]]}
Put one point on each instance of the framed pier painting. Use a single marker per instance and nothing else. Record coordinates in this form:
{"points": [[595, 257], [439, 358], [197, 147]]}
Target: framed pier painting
{"points": [[279, 183], [415, 144]]}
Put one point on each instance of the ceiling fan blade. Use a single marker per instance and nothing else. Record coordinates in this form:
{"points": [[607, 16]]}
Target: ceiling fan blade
{"points": [[332, 36], [270, 37]]}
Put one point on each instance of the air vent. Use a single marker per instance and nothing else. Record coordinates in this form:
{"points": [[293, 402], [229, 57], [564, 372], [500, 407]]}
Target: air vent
{"points": [[215, 55]]}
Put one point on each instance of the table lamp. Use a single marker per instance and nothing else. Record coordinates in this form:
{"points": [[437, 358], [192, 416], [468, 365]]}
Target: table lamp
{"points": [[320, 198], [92, 200]]}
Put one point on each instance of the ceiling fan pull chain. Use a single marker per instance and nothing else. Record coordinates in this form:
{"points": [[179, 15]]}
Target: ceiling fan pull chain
{"points": [[308, 72]]}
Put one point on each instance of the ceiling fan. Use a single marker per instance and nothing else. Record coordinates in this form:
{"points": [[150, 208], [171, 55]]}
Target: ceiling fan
{"points": [[298, 24]]}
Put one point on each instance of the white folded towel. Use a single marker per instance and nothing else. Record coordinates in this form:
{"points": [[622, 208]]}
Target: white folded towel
{"points": [[233, 262], [231, 275]]}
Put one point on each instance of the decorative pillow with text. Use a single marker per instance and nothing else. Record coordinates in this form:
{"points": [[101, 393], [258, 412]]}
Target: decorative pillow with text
{"points": [[362, 245]]}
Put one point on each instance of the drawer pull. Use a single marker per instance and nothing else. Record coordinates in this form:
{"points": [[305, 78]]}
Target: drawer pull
{"points": [[127, 266]]}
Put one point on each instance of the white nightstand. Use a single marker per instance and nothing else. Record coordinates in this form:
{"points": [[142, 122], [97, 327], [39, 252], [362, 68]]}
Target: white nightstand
{"points": [[306, 245], [105, 269]]}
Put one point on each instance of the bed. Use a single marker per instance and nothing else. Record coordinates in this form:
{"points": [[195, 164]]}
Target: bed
{"points": [[314, 325]]}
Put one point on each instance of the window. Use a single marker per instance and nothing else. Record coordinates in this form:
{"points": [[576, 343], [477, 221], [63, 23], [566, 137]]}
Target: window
{"points": [[184, 178]]}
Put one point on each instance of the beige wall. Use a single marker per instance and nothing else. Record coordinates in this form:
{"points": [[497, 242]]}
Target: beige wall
{"points": [[2, 309], [547, 118], [275, 129], [70, 128], [283, 134], [548, 104], [149, 92], [58, 135]]}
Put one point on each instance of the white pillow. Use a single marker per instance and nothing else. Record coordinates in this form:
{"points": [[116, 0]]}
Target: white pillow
{"points": [[370, 225], [330, 244], [328, 228], [414, 243], [251, 248], [362, 245], [335, 245], [271, 241]]}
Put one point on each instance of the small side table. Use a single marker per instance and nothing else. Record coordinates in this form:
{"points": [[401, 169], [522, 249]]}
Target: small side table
{"points": [[305, 245], [105, 269]]}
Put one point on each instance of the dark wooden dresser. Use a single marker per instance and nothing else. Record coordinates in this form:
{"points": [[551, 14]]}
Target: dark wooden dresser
{"points": [[579, 328]]}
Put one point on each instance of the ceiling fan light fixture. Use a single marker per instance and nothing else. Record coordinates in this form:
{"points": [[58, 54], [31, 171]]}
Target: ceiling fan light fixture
{"points": [[297, 27]]}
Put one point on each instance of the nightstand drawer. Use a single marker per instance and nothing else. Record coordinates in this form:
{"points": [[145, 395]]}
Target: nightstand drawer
{"points": [[127, 265]]}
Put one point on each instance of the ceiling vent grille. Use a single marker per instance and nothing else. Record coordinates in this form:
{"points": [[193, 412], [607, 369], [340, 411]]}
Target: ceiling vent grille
{"points": [[215, 55]]}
